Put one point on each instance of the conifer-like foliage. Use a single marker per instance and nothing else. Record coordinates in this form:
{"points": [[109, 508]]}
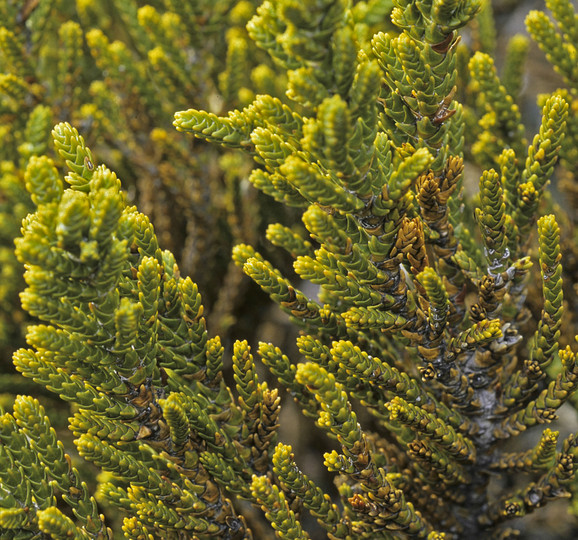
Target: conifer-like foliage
{"points": [[421, 351], [117, 71]]}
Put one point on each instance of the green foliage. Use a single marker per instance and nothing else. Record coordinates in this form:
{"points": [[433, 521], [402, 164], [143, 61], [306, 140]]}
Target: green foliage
{"points": [[119, 71], [556, 35], [425, 345]]}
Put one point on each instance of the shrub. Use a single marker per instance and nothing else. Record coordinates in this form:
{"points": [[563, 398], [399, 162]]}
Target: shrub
{"points": [[432, 333]]}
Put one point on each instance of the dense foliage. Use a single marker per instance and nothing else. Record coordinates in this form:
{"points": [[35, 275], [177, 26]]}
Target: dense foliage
{"points": [[436, 315]]}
